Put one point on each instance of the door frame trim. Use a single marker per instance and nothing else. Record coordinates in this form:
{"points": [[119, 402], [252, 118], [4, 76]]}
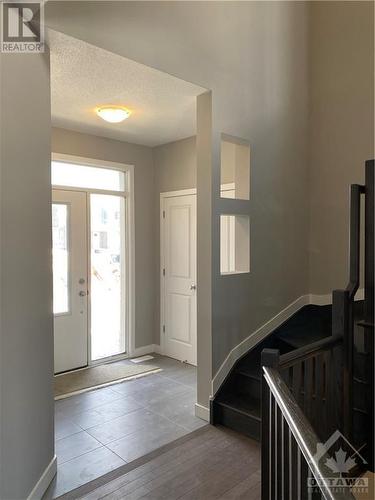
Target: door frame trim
{"points": [[128, 195], [163, 196]]}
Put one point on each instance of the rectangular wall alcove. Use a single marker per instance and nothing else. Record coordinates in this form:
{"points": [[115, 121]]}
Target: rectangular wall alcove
{"points": [[235, 168], [234, 244]]}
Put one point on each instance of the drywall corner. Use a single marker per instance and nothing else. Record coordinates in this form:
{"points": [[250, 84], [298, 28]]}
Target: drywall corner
{"points": [[204, 250]]}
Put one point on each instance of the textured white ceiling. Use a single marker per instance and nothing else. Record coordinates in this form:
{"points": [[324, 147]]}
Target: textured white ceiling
{"points": [[84, 76]]}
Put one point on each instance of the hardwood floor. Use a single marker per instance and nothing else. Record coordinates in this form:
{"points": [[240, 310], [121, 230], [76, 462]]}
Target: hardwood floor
{"points": [[210, 463]]}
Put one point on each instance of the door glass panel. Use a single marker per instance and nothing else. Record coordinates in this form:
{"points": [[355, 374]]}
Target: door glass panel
{"points": [[73, 175], [60, 257], [107, 275]]}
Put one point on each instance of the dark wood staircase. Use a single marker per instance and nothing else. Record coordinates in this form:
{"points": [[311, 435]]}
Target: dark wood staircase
{"points": [[238, 402], [318, 400], [324, 354]]}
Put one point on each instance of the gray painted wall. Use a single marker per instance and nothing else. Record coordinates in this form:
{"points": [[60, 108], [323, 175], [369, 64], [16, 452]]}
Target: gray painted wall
{"points": [[341, 130], [26, 332], [175, 167], [89, 146], [204, 248]]}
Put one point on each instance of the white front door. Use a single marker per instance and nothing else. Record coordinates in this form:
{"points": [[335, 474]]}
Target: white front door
{"points": [[178, 248], [69, 235]]}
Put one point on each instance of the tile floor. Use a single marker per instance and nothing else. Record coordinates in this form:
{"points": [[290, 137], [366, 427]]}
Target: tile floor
{"points": [[101, 430]]}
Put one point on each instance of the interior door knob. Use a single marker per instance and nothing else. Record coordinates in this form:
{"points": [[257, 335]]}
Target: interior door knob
{"points": [[193, 287], [82, 293]]}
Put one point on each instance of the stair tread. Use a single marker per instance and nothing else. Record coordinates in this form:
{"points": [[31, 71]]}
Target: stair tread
{"points": [[365, 324], [243, 404], [299, 339], [359, 410], [250, 371]]}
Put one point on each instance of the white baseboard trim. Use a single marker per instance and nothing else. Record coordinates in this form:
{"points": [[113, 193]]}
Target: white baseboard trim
{"points": [[254, 338], [320, 300], [325, 300], [158, 349], [202, 412], [141, 351], [262, 332], [146, 349], [44, 481]]}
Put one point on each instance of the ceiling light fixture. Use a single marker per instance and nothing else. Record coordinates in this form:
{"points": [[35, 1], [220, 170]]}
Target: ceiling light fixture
{"points": [[113, 114]]}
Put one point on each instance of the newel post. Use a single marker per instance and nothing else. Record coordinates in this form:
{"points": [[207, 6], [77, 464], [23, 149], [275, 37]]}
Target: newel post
{"points": [[340, 386], [269, 359]]}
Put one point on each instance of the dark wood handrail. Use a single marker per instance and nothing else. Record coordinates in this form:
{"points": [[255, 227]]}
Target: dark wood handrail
{"points": [[343, 302], [288, 359], [368, 323], [305, 436], [354, 238], [284, 422], [369, 242], [312, 387]]}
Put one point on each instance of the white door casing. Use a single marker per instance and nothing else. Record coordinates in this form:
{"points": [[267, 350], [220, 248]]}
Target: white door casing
{"points": [[70, 326], [178, 263]]}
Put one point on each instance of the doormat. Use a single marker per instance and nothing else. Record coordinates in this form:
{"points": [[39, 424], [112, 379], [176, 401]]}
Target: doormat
{"points": [[141, 359], [76, 382]]}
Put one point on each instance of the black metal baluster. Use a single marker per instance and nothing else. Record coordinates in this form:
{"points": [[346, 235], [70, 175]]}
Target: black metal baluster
{"points": [[285, 446], [304, 477], [308, 388], [269, 358], [279, 453], [273, 450], [297, 382], [320, 410], [294, 469], [299, 482], [266, 442]]}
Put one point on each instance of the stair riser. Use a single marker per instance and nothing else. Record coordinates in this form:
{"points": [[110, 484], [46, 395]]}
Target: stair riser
{"points": [[360, 395], [360, 425], [248, 385], [360, 365], [237, 421]]}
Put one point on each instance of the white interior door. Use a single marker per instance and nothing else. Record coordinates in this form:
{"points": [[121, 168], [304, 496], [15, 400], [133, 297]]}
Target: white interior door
{"points": [[178, 246], [69, 235]]}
